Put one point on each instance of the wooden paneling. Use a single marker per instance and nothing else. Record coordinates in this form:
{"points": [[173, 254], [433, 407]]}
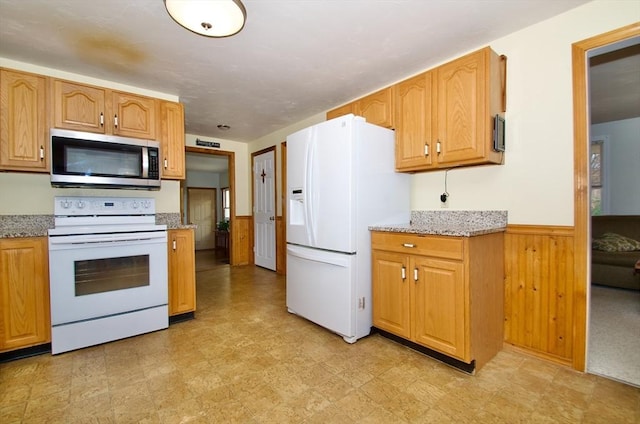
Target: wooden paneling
{"points": [[540, 290], [242, 240]]}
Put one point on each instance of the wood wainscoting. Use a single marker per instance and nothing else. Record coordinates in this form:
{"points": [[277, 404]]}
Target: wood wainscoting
{"points": [[242, 240], [540, 291]]}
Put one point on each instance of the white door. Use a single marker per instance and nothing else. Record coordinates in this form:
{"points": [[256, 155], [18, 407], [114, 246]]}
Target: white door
{"points": [[202, 212], [264, 210]]}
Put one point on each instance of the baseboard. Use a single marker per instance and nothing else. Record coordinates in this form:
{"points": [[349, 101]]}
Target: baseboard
{"points": [[182, 317], [26, 352], [447, 360]]}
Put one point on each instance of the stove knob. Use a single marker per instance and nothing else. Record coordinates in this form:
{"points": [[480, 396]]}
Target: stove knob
{"points": [[134, 204], [80, 204], [146, 204], [65, 204]]}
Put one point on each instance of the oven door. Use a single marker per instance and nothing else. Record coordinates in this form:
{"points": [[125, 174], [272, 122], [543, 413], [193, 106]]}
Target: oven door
{"points": [[101, 275]]}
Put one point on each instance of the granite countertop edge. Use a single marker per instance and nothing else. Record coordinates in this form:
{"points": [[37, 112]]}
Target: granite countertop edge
{"points": [[428, 230], [24, 226]]}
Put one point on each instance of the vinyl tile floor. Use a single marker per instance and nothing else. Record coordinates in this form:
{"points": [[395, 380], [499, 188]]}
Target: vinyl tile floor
{"points": [[245, 359]]}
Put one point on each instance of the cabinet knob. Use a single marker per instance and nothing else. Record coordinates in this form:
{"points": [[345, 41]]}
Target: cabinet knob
{"points": [[415, 274], [115, 120], [410, 245], [101, 119], [426, 149], [404, 273], [41, 152], [174, 245], [166, 163], [438, 147]]}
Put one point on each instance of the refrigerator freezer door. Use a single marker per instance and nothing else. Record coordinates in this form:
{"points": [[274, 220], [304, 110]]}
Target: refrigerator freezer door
{"points": [[320, 181], [320, 288]]}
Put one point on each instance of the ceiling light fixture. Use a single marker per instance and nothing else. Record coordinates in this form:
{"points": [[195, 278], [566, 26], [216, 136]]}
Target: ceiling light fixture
{"points": [[224, 127], [211, 18]]}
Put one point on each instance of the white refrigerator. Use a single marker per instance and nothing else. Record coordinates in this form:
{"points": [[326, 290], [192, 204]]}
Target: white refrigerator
{"points": [[340, 180]]}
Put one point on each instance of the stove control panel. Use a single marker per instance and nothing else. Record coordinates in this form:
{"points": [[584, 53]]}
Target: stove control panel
{"points": [[82, 205]]}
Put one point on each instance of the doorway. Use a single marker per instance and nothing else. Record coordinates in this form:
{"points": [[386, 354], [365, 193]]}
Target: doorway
{"points": [[264, 207], [582, 215], [210, 176], [613, 349]]}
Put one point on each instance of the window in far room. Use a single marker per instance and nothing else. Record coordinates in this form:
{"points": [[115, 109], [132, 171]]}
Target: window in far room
{"points": [[596, 176], [226, 203]]}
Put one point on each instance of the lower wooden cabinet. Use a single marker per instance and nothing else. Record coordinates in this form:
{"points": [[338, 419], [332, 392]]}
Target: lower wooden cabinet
{"points": [[25, 318], [182, 271], [443, 293]]}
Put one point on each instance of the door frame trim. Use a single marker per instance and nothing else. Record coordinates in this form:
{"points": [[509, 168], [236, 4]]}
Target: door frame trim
{"points": [[232, 189], [275, 199], [582, 213]]}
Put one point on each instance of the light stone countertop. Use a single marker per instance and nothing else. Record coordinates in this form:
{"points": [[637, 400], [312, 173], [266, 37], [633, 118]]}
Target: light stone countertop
{"points": [[16, 226], [450, 223]]}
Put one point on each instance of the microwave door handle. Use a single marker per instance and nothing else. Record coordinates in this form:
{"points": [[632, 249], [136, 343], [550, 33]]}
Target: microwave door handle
{"points": [[145, 162]]}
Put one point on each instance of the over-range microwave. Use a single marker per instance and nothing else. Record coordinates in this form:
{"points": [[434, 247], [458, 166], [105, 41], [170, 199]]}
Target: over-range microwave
{"points": [[81, 159]]}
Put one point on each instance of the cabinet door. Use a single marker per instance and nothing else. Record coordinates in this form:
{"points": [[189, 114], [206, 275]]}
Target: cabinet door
{"points": [[439, 312], [79, 107], [341, 111], [24, 293], [133, 116], [23, 122], [414, 123], [172, 140], [391, 289], [377, 108], [182, 266], [462, 108]]}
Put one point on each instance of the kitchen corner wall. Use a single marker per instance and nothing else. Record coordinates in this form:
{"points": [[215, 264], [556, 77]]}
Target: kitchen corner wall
{"points": [[535, 185]]}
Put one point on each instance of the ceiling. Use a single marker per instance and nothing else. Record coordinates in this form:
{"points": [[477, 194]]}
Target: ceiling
{"points": [[292, 60]]}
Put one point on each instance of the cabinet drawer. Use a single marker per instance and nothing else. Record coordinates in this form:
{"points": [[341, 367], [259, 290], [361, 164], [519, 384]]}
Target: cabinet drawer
{"points": [[436, 246]]}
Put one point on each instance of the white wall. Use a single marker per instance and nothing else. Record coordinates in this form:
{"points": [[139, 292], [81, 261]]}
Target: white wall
{"points": [[535, 185], [621, 164]]}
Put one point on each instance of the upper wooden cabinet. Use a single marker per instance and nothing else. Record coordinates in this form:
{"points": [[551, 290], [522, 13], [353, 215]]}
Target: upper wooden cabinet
{"points": [[87, 108], [23, 122], [415, 122], [24, 293], [445, 117], [79, 107], [172, 140], [341, 111], [133, 115], [469, 92], [376, 108]]}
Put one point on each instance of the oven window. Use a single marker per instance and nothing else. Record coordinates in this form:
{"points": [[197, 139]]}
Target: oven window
{"points": [[104, 275]]}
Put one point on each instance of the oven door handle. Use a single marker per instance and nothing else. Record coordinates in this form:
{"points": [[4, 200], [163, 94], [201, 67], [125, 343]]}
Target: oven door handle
{"points": [[107, 238]]}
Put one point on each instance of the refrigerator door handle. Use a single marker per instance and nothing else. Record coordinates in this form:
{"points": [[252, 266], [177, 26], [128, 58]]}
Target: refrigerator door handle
{"points": [[319, 256], [309, 188]]}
